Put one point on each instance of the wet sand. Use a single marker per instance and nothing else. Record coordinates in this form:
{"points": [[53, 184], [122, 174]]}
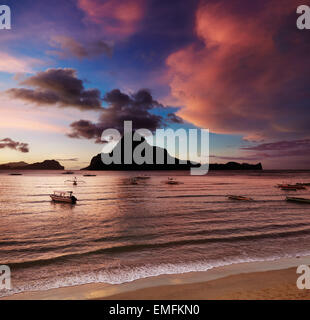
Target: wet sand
{"points": [[266, 280]]}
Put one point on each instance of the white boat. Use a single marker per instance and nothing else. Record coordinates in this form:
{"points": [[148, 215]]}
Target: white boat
{"points": [[63, 196]]}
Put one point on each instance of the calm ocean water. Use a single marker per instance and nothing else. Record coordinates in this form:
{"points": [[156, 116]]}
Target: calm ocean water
{"points": [[119, 232]]}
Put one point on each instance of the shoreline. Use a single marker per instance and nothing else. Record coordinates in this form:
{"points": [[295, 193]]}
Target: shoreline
{"points": [[274, 279]]}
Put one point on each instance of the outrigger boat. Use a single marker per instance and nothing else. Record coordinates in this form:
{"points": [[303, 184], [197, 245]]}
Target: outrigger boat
{"points": [[300, 200], [172, 181], [142, 177], [133, 181], [294, 186], [240, 198], [63, 196], [288, 188], [75, 181]]}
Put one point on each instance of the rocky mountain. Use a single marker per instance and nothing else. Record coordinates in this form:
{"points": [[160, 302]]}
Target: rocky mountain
{"points": [[45, 165], [97, 164]]}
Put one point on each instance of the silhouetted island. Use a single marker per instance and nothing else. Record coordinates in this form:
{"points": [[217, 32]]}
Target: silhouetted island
{"points": [[96, 163], [45, 165]]}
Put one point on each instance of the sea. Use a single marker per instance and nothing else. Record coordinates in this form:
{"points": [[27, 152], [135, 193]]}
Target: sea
{"points": [[118, 232]]}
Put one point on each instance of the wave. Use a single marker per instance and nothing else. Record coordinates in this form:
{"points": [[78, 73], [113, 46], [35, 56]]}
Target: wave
{"points": [[149, 246], [128, 274]]}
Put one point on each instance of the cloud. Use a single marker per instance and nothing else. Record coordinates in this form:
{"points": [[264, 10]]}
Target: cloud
{"points": [[173, 118], [281, 145], [71, 47], [117, 18], [69, 160], [281, 149], [273, 150], [238, 158], [59, 87], [245, 73], [12, 64], [15, 145], [122, 107], [85, 129]]}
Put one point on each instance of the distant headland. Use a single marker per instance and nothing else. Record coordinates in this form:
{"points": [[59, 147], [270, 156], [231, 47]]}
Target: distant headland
{"points": [[45, 165]]}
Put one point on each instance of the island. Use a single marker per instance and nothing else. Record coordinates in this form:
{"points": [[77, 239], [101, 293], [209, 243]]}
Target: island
{"points": [[45, 165], [169, 163]]}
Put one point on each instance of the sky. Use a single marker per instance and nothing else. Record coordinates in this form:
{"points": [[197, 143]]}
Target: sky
{"points": [[70, 69]]}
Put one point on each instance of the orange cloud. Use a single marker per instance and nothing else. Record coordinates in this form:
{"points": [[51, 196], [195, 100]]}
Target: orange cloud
{"points": [[238, 78], [118, 18]]}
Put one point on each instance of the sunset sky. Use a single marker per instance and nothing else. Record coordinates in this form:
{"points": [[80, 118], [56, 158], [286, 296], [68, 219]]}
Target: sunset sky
{"points": [[240, 68]]}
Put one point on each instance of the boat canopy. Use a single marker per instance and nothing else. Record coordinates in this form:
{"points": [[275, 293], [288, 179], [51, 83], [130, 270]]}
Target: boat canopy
{"points": [[63, 193]]}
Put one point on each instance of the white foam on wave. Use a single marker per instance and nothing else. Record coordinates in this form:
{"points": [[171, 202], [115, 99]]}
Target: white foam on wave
{"points": [[124, 274]]}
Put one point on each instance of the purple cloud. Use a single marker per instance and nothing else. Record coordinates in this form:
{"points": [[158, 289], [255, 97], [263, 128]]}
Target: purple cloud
{"points": [[122, 107], [281, 145], [59, 87], [15, 145], [72, 47]]}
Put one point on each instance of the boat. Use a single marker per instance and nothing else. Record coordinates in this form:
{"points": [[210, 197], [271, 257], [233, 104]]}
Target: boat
{"points": [[75, 181], [298, 186], [289, 188], [133, 181], [142, 177], [68, 172], [15, 174], [172, 181], [282, 185], [63, 196], [306, 184], [294, 186], [89, 175], [239, 198], [300, 200]]}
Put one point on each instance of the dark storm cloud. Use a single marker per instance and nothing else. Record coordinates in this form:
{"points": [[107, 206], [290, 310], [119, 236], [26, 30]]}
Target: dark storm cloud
{"points": [[15, 145], [136, 107], [84, 129], [122, 107], [72, 47], [59, 87]]}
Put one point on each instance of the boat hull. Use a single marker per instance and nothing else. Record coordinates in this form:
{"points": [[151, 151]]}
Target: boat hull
{"points": [[292, 186], [63, 199], [299, 200], [239, 198]]}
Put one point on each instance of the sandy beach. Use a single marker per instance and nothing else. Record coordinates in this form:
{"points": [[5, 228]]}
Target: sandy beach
{"points": [[268, 280]]}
